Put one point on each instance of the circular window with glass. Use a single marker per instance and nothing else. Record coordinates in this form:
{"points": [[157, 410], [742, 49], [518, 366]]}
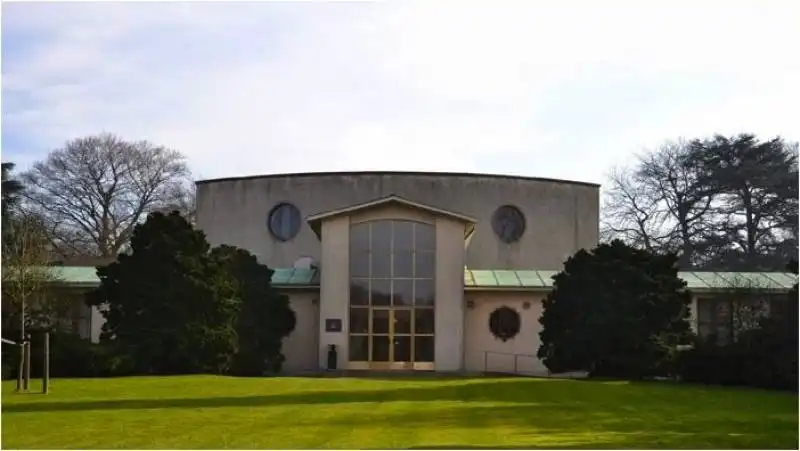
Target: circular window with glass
{"points": [[284, 221], [508, 223]]}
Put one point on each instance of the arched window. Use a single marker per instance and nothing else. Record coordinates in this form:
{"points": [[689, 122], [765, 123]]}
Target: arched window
{"points": [[392, 292]]}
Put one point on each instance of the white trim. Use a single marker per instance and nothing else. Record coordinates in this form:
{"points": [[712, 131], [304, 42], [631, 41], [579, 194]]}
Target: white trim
{"points": [[387, 200]]}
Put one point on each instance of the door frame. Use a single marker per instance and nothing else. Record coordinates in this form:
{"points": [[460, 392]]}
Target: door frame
{"points": [[391, 364]]}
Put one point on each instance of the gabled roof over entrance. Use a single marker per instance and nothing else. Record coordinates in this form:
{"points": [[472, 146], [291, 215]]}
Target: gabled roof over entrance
{"points": [[315, 221]]}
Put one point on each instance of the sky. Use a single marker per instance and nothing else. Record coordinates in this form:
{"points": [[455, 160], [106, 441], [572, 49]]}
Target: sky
{"points": [[564, 89]]}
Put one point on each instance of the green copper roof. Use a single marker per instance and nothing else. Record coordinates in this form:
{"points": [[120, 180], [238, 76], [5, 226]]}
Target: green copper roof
{"points": [[295, 277], [703, 280], [488, 278], [87, 275]]}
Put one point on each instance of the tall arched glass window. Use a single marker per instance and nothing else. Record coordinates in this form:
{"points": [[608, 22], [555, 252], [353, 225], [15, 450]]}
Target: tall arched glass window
{"points": [[392, 294]]}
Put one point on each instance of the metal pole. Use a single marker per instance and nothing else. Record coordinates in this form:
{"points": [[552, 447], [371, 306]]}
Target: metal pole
{"points": [[515, 363], [27, 380], [46, 366]]}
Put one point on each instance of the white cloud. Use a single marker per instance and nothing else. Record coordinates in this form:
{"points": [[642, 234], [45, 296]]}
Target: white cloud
{"points": [[558, 89]]}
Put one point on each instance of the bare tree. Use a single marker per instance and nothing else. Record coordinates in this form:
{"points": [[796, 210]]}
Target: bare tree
{"points": [[632, 213], [661, 203], [26, 278], [184, 202], [670, 175], [94, 190]]}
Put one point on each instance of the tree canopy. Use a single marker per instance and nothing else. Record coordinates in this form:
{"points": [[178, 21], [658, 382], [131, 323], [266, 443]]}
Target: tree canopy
{"points": [[173, 305], [168, 306], [723, 203], [96, 189], [265, 317], [26, 281], [11, 189], [614, 311]]}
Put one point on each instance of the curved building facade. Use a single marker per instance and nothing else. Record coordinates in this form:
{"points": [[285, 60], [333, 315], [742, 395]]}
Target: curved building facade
{"points": [[418, 271], [375, 263], [521, 222]]}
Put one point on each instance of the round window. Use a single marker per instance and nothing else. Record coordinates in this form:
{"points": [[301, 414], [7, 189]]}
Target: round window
{"points": [[284, 221], [505, 323], [508, 223]]}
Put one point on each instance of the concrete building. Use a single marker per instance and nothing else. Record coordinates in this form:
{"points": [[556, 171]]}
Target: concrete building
{"points": [[419, 271]]}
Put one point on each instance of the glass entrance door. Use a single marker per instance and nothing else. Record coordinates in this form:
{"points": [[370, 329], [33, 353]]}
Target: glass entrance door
{"points": [[392, 342], [392, 295], [391, 339]]}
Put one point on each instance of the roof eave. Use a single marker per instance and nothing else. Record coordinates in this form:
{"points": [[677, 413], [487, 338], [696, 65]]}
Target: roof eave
{"points": [[315, 221], [296, 287], [512, 289]]}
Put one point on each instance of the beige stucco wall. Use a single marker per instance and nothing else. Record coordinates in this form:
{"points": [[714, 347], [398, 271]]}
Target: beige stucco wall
{"points": [[561, 217], [300, 348], [334, 287], [96, 322], [449, 329], [479, 338]]}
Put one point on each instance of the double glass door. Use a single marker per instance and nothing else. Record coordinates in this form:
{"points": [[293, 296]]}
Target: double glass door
{"points": [[398, 339], [391, 336]]}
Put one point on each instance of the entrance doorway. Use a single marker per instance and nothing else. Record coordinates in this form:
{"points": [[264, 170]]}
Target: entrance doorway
{"points": [[395, 339], [392, 293]]}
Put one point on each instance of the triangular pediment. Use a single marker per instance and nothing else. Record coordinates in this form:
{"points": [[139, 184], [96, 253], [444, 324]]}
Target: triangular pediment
{"points": [[316, 220]]}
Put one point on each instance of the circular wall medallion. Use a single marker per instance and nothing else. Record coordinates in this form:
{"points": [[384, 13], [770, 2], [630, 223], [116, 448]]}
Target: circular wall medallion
{"points": [[284, 221], [508, 223], [505, 323]]}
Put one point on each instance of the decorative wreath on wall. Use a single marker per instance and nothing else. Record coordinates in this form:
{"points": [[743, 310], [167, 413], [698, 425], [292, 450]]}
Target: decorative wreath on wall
{"points": [[505, 323]]}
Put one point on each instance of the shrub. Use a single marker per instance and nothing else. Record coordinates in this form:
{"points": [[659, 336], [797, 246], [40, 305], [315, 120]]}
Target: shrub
{"points": [[70, 356], [760, 358]]}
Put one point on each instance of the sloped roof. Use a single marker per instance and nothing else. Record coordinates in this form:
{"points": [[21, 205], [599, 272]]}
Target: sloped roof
{"points": [[87, 276], [477, 279], [695, 280], [316, 220]]}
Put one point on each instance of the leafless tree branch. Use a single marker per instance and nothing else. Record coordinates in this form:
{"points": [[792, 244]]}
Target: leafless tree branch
{"points": [[95, 189]]}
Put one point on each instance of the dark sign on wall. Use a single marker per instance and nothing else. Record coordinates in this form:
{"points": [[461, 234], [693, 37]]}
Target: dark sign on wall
{"points": [[333, 325]]}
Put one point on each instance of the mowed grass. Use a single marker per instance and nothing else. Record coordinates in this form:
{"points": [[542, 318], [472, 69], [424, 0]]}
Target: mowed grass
{"points": [[424, 412]]}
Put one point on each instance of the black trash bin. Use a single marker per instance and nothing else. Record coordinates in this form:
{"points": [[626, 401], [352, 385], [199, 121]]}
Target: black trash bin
{"points": [[332, 357]]}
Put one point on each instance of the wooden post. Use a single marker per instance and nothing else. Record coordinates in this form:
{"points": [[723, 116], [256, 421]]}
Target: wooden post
{"points": [[21, 372], [46, 364], [21, 376], [27, 379]]}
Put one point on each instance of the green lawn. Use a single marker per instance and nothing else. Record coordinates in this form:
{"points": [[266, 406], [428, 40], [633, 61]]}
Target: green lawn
{"points": [[427, 412]]}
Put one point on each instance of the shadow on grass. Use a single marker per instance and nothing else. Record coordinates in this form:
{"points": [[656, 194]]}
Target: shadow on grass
{"points": [[555, 414], [560, 392], [563, 426], [467, 447], [490, 391]]}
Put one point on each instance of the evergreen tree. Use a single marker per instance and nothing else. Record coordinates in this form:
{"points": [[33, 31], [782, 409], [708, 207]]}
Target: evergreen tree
{"points": [[265, 317], [614, 311], [169, 307]]}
